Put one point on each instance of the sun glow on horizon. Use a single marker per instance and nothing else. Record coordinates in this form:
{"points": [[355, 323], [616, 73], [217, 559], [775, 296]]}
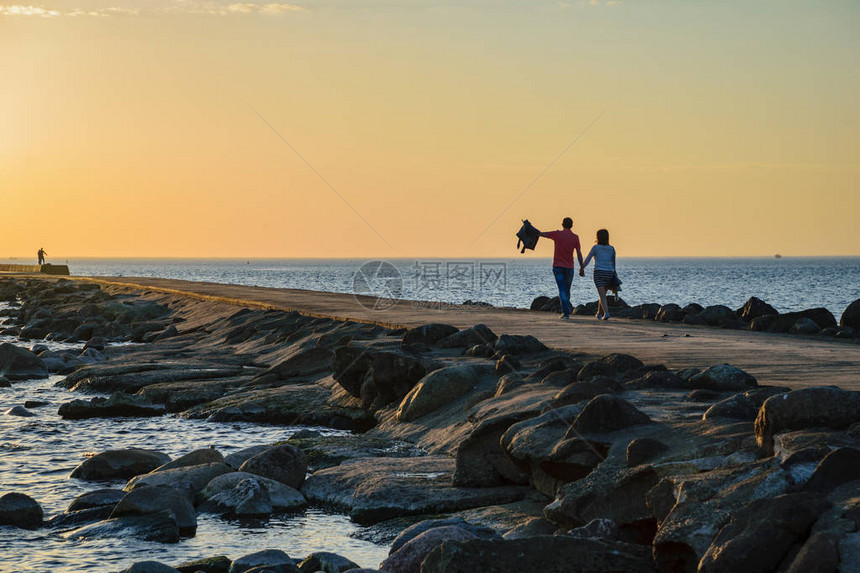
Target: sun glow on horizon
{"points": [[221, 129]]}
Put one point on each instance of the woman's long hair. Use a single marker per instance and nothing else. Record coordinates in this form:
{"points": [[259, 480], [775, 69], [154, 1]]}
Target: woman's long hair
{"points": [[602, 237]]}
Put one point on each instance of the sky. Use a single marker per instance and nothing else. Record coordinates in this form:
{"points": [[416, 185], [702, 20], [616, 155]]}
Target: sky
{"points": [[421, 128]]}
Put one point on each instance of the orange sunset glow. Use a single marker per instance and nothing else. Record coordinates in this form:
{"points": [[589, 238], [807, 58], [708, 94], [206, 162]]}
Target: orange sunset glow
{"points": [[422, 128]]}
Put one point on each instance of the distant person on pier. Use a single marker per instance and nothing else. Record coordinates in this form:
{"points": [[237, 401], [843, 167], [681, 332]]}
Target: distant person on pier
{"points": [[566, 241], [605, 277], [41, 254]]}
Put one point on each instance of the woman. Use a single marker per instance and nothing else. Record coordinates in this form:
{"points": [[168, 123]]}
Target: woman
{"points": [[604, 270]]}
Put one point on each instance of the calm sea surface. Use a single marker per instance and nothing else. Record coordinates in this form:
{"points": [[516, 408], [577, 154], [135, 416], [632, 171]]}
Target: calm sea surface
{"points": [[788, 283]]}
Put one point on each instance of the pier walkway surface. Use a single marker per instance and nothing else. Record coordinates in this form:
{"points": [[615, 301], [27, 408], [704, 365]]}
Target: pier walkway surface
{"points": [[774, 359]]}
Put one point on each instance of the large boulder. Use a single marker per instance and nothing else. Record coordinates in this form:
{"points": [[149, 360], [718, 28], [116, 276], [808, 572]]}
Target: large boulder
{"points": [[755, 307], [724, 378], [518, 344], [159, 527], [119, 464], [612, 365], [480, 459], [478, 334], [393, 375], [194, 478], [149, 567], [760, 535], [153, 499], [409, 556], [327, 563], [96, 498], [20, 510], [851, 316], [273, 558], [670, 313], [285, 463], [783, 322], [821, 406], [281, 496], [195, 458], [606, 413], [376, 489], [20, 364], [715, 314], [437, 389], [544, 553], [118, 405], [744, 405], [836, 468], [428, 334], [804, 325], [248, 498], [417, 529]]}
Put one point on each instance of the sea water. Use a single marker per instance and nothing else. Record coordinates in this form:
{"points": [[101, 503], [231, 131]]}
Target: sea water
{"points": [[788, 284]]}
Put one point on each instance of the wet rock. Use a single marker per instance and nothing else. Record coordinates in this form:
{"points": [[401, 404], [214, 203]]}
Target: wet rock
{"points": [[159, 527], [219, 564], [546, 553], [326, 562], [117, 406], [478, 334], [606, 413], [539, 302], [376, 489], [96, 498], [759, 535], [641, 450], [745, 405], [532, 528], [273, 558], [154, 499], [851, 316], [409, 556], [420, 527], [96, 343], [119, 464], [20, 364], [4, 382], [713, 315], [36, 403], [285, 463], [149, 567], [248, 498], [755, 307], [236, 459], [428, 334], [518, 344], [436, 390], [670, 313], [838, 467], [20, 510], [195, 458], [281, 496], [823, 406], [74, 519], [724, 378], [601, 529], [20, 411], [193, 477]]}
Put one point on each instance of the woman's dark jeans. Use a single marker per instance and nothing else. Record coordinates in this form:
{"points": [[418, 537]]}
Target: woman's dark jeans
{"points": [[563, 278]]}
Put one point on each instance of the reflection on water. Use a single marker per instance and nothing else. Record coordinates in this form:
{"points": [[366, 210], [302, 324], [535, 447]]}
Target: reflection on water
{"points": [[37, 454]]}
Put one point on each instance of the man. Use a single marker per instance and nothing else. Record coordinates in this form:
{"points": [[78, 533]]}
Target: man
{"points": [[41, 254], [566, 241]]}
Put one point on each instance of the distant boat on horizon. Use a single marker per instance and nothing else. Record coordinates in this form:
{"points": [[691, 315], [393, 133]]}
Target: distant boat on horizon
{"points": [[777, 256]]}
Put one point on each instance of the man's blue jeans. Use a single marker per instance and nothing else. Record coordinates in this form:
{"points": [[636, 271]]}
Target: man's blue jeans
{"points": [[563, 278]]}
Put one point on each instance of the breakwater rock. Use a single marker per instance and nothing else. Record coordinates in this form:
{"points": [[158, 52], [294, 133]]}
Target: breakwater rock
{"points": [[502, 453]]}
